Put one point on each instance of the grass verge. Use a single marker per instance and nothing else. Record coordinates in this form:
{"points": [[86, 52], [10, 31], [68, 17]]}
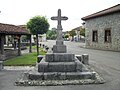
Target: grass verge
{"points": [[24, 60]]}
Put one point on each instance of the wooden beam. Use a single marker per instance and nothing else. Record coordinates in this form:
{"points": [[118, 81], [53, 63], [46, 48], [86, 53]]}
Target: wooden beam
{"points": [[30, 44], [19, 45], [2, 43]]}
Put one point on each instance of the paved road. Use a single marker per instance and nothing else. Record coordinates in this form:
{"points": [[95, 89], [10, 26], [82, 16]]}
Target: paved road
{"points": [[106, 63]]}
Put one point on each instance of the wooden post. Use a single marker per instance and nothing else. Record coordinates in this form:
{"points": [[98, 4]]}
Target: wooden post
{"points": [[15, 44], [19, 45], [37, 44], [30, 48], [2, 44]]}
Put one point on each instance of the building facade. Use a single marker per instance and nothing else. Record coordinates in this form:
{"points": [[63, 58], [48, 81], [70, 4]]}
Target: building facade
{"points": [[103, 29]]}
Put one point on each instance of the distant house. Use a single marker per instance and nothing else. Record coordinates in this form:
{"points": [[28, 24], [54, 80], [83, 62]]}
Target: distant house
{"points": [[103, 29], [42, 38], [77, 36]]}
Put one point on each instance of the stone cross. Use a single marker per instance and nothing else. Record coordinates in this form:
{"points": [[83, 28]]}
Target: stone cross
{"points": [[59, 18]]}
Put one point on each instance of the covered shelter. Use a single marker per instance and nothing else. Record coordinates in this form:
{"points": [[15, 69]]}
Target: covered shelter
{"points": [[17, 32]]}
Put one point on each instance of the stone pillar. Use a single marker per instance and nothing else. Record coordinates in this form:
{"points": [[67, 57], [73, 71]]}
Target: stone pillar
{"points": [[59, 47], [37, 44], [19, 45], [15, 44], [2, 43], [59, 40], [30, 44], [39, 58], [79, 57], [85, 59], [1, 65]]}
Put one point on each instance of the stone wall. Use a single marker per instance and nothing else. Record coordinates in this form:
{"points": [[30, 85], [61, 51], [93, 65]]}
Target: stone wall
{"points": [[111, 21], [8, 54]]}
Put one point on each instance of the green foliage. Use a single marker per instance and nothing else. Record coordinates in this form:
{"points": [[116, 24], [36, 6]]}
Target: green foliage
{"points": [[72, 33], [82, 31], [66, 36], [51, 34], [38, 25]]}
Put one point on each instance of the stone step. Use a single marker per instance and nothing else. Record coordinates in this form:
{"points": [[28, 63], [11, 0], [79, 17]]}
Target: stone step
{"points": [[62, 76], [59, 57], [35, 76], [62, 67], [80, 75], [59, 49], [56, 67]]}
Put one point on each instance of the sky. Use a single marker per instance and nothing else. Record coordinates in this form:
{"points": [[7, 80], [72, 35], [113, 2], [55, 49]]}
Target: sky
{"points": [[18, 12]]}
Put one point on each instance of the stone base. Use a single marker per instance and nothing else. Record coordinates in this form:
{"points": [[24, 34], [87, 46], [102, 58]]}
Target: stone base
{"points": [[56, 66], [85, 59], [39, 58], [61, 75], [60, 67], [59, 49], [59, 42], [59, 57], [34, 78], [73, 66]]}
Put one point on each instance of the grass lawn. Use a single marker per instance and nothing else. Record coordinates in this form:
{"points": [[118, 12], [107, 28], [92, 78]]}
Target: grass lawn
{"points": [[24, 60]]}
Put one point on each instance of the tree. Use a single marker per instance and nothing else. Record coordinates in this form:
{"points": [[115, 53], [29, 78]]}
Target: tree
{"points": [[66, 36], [82, 31], [72, 33], [38, 25], [51, 34]]}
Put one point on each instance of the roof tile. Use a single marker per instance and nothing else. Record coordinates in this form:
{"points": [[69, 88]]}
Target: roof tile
{"points": [[113, 9], [12, 29]]}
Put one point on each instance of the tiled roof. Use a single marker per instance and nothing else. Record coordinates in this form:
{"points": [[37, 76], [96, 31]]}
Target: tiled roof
{"points": [[12, 29], [110, 10]]}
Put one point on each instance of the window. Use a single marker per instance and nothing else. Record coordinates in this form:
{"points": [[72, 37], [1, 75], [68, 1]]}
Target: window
{"points": [[108, 36], [95, 36]]}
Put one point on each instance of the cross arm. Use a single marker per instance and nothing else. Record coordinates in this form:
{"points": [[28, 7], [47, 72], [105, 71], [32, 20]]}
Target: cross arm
{"points": [[54, 18], [64, 18]]}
